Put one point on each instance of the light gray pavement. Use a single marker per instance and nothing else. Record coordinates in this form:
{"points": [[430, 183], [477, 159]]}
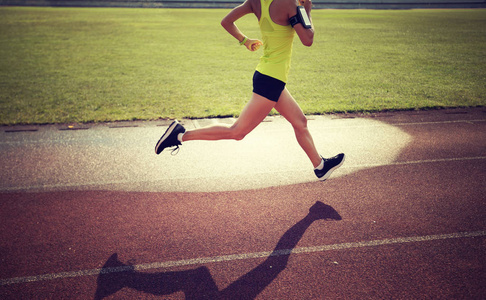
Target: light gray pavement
{"points": [[111, 156]]}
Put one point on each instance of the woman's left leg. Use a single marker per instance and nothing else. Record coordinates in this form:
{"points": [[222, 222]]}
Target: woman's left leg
{"points": [[291, 111], [253, 114]]}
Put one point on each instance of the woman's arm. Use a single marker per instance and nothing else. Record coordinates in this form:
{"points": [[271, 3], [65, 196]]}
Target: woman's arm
{"points": [[229, 20], [306, 35]]}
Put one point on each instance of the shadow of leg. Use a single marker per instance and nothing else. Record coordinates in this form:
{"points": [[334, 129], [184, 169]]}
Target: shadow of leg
{"points": [[254, 282], [198, 283], [195, 284], [112, 278]]}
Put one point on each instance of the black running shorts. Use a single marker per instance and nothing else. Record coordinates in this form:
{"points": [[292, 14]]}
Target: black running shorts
{"points": [[267, 86]]}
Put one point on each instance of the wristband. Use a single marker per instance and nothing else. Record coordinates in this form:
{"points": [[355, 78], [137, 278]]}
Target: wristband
{"points": [[243, 41]]}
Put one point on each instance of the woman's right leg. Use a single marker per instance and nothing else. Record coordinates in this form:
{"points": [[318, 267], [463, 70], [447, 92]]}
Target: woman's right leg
{"points": [[253, 114], [291, 111]]}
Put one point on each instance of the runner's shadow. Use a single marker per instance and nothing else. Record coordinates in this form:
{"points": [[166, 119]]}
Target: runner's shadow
{"points": [[198, 283]]}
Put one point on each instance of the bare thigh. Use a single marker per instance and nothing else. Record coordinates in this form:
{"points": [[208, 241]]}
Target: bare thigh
{"points": [[290, 110], [253, 114]]}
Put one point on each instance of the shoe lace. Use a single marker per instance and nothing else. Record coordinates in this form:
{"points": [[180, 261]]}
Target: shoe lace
{"points": [[176, 150]]}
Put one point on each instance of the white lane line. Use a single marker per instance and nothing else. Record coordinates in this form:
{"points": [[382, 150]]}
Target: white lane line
{"points": [[234, 257], [438, 122], [382, 124], [411, 162], [115, 182]]}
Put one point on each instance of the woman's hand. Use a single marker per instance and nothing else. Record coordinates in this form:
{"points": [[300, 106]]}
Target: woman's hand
{"points": [[307, 4], [253, 45]]}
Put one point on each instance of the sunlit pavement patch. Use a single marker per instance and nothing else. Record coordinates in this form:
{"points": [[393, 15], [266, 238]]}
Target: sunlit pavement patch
{"points": [[124, 158]]}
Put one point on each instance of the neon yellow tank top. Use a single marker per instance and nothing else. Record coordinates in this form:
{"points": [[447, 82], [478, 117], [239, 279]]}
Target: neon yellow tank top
{"points": [[277, 45]]}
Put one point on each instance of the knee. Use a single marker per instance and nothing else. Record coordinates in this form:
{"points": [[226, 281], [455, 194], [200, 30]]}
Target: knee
{"points": [[237, 133], [300, 123]]}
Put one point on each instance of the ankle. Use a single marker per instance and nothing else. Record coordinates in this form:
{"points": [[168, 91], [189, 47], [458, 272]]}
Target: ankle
{"points": [[320, 165], [180, 136]]}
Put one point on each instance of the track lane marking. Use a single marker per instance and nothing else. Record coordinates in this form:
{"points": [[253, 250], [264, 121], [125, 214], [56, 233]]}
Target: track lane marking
{"points": [[412, 162], [235, 257]]}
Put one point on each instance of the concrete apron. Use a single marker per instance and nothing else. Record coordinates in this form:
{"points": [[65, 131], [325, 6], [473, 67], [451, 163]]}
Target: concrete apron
{"points": [[104, 158]]}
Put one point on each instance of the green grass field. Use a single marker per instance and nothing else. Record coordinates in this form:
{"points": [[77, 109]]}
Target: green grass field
{"points": [[61, 65]]}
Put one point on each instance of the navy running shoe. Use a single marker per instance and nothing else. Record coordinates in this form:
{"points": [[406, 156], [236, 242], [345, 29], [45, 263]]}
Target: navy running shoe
{"points": [[169, 138], [330, 164]]}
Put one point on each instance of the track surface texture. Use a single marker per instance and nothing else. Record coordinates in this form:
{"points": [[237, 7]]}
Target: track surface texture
{"points": [[90, 212]]}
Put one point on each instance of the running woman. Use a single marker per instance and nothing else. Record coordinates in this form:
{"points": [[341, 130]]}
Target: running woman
{"points": [[269, 80]]}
